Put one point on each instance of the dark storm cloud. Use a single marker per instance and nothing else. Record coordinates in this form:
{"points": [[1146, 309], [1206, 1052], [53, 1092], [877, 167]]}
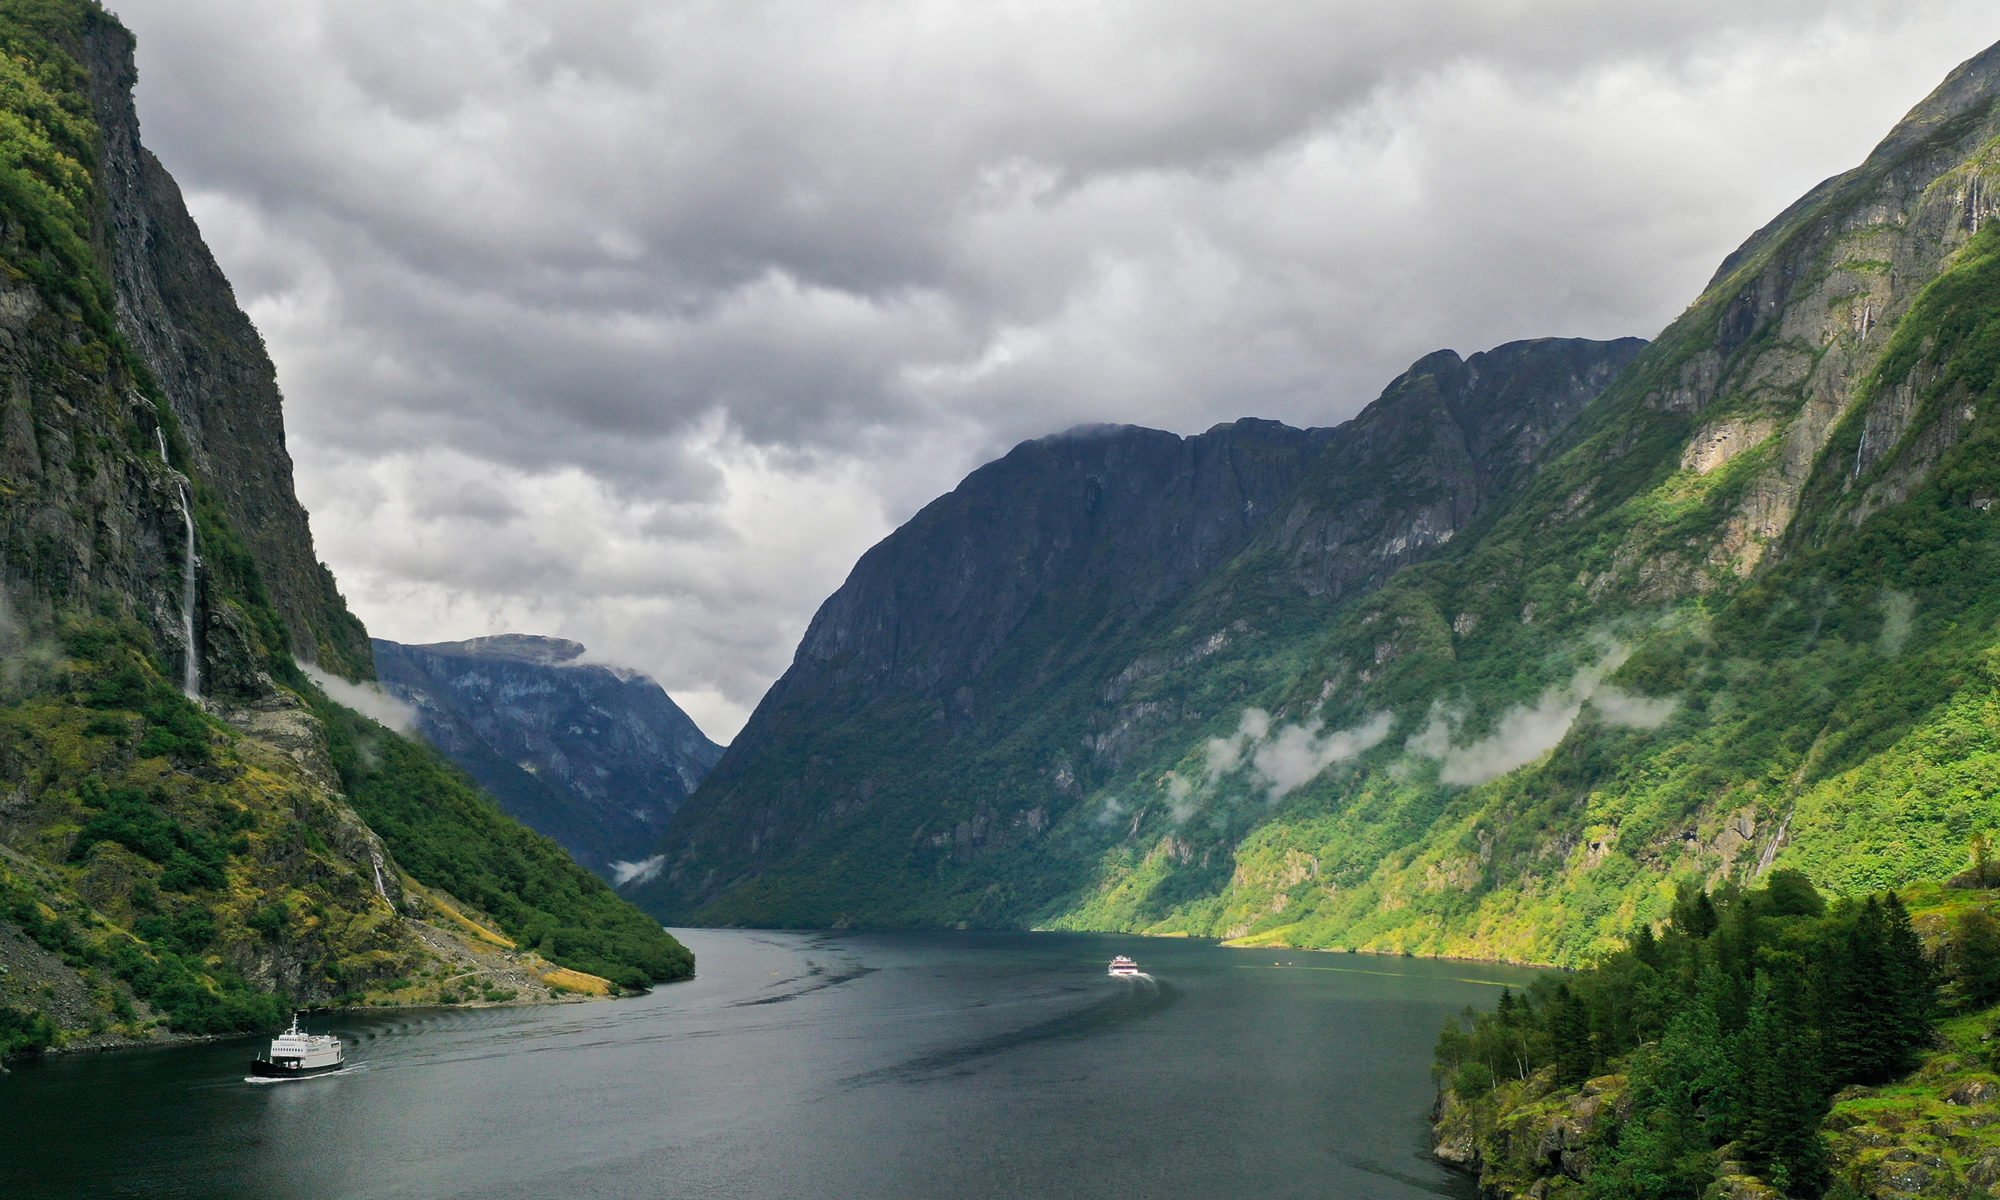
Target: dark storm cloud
{"points": [[637, 322]]}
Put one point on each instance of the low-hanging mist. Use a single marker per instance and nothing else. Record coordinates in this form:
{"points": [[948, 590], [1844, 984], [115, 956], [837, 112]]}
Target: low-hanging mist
{"points": [[371, 700], [1282, 758], [1525, 732]]}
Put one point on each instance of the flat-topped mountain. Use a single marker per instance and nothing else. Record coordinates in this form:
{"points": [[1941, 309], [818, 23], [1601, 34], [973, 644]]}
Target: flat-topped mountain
{"points": [[594, 756]]}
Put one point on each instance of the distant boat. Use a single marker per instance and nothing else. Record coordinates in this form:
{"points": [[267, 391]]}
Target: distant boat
{"points": [[1123, 966], [296, 1054]]}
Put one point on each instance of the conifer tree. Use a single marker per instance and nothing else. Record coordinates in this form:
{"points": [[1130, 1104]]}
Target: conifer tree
{"points": [[1975, 958], [1693, 912], [1853, 998], [1644, 946], [1783, 1093], [1569, 1029], [1912, 986]]}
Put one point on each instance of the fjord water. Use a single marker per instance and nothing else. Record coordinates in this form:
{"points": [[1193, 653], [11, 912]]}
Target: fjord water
{"points": [[808, 1065]]}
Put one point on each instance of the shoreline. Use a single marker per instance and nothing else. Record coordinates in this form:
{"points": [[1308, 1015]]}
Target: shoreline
{"points": [[1225, 943], [164, 1037]]}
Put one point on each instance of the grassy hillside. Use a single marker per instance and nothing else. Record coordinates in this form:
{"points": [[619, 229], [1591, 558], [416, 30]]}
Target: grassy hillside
{"points": [[1747, 619], [182, 863]]}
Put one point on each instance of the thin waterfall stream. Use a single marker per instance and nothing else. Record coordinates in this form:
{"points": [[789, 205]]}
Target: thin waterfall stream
{"points": [[191, 659]]}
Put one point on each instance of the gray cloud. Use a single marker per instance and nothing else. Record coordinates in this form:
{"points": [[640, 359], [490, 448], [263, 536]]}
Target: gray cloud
{"points": [[371, 700], [705, 298], [1281, 757], [1524, 733]]}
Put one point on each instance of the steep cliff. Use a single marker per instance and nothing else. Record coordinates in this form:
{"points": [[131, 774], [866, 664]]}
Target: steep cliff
{"points": [[180, 316], [1024, 638], [191, 835], [595, 757], [1744, 618], [1483, 672]]}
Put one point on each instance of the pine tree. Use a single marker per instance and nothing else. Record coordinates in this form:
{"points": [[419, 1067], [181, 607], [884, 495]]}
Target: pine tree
{"points": [[1975, 958], [1856, 999], [1645, 947], [1782, 1089], [1569, 1030], [1912, 986], [1694, 913]]}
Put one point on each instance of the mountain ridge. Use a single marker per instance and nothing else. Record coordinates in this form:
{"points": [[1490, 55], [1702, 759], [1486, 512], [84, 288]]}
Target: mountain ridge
{"points": [[1086, 541], [1724, 624], [597, 757]]}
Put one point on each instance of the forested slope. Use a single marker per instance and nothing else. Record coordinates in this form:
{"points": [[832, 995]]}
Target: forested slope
{"points": [[1561, 629], [178, 850]]}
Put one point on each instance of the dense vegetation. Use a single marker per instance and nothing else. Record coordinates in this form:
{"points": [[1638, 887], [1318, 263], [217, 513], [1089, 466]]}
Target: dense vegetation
{"points": [[107, 735], [48, 154], [445, 832], [1742, 616], [1733, 1029], [1828, 694]]}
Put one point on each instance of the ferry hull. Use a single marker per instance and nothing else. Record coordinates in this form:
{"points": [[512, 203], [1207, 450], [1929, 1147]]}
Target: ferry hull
{"points": [[271, 1070]]}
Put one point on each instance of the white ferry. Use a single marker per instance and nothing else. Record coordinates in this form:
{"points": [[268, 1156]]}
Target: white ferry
{"points": [[1122, 965], [296, 1054]]}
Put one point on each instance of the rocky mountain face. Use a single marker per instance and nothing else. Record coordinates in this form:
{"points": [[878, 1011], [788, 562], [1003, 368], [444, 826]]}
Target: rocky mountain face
{"points": [[192, 836], [179, 315], [1537, 636], [593, 756], [1744, 618], [982, 667]]}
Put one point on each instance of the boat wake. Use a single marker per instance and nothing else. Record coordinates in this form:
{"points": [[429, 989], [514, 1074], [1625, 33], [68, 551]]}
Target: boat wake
{"points": [[261, 1080], [1121, 1007]]}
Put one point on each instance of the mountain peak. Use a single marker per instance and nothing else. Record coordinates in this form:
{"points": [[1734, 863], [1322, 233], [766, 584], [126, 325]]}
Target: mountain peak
{"points": [[530, 648], [596, 757]]}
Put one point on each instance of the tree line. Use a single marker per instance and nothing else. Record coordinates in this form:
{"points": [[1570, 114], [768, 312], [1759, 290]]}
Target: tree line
{"points": [[1735, 1025]]}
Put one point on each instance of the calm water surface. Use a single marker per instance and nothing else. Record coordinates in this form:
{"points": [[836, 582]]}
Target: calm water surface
{"points": [[807, 1065]]}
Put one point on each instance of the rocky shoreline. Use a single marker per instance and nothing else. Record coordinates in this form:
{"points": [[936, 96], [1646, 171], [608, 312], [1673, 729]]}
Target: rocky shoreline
{"points": [[1933, 1135], [481, 973]]}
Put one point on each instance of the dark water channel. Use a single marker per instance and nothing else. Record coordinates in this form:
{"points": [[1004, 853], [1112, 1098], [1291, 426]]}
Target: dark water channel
{"points": [[807, 1065]]}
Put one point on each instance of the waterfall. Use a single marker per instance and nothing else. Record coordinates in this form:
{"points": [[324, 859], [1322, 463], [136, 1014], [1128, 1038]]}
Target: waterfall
{"points": [[1777, 842], [376, 857], [191, 662]]}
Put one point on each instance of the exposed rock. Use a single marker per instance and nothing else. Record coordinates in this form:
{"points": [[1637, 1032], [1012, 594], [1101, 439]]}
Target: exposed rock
{"points": [[1718, 443], [1019, 587], [1522, 1140], [1974, 1091], [180, 313], [1731, 1185], [596, 757]]}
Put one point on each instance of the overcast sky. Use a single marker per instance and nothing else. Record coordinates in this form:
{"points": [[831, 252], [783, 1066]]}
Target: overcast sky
{"points": [[637, 322]]}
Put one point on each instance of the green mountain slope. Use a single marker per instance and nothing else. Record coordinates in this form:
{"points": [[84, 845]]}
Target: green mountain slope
{"points": [[188, 828], [1063, 617], [1738, 611], [1746, 619]]}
